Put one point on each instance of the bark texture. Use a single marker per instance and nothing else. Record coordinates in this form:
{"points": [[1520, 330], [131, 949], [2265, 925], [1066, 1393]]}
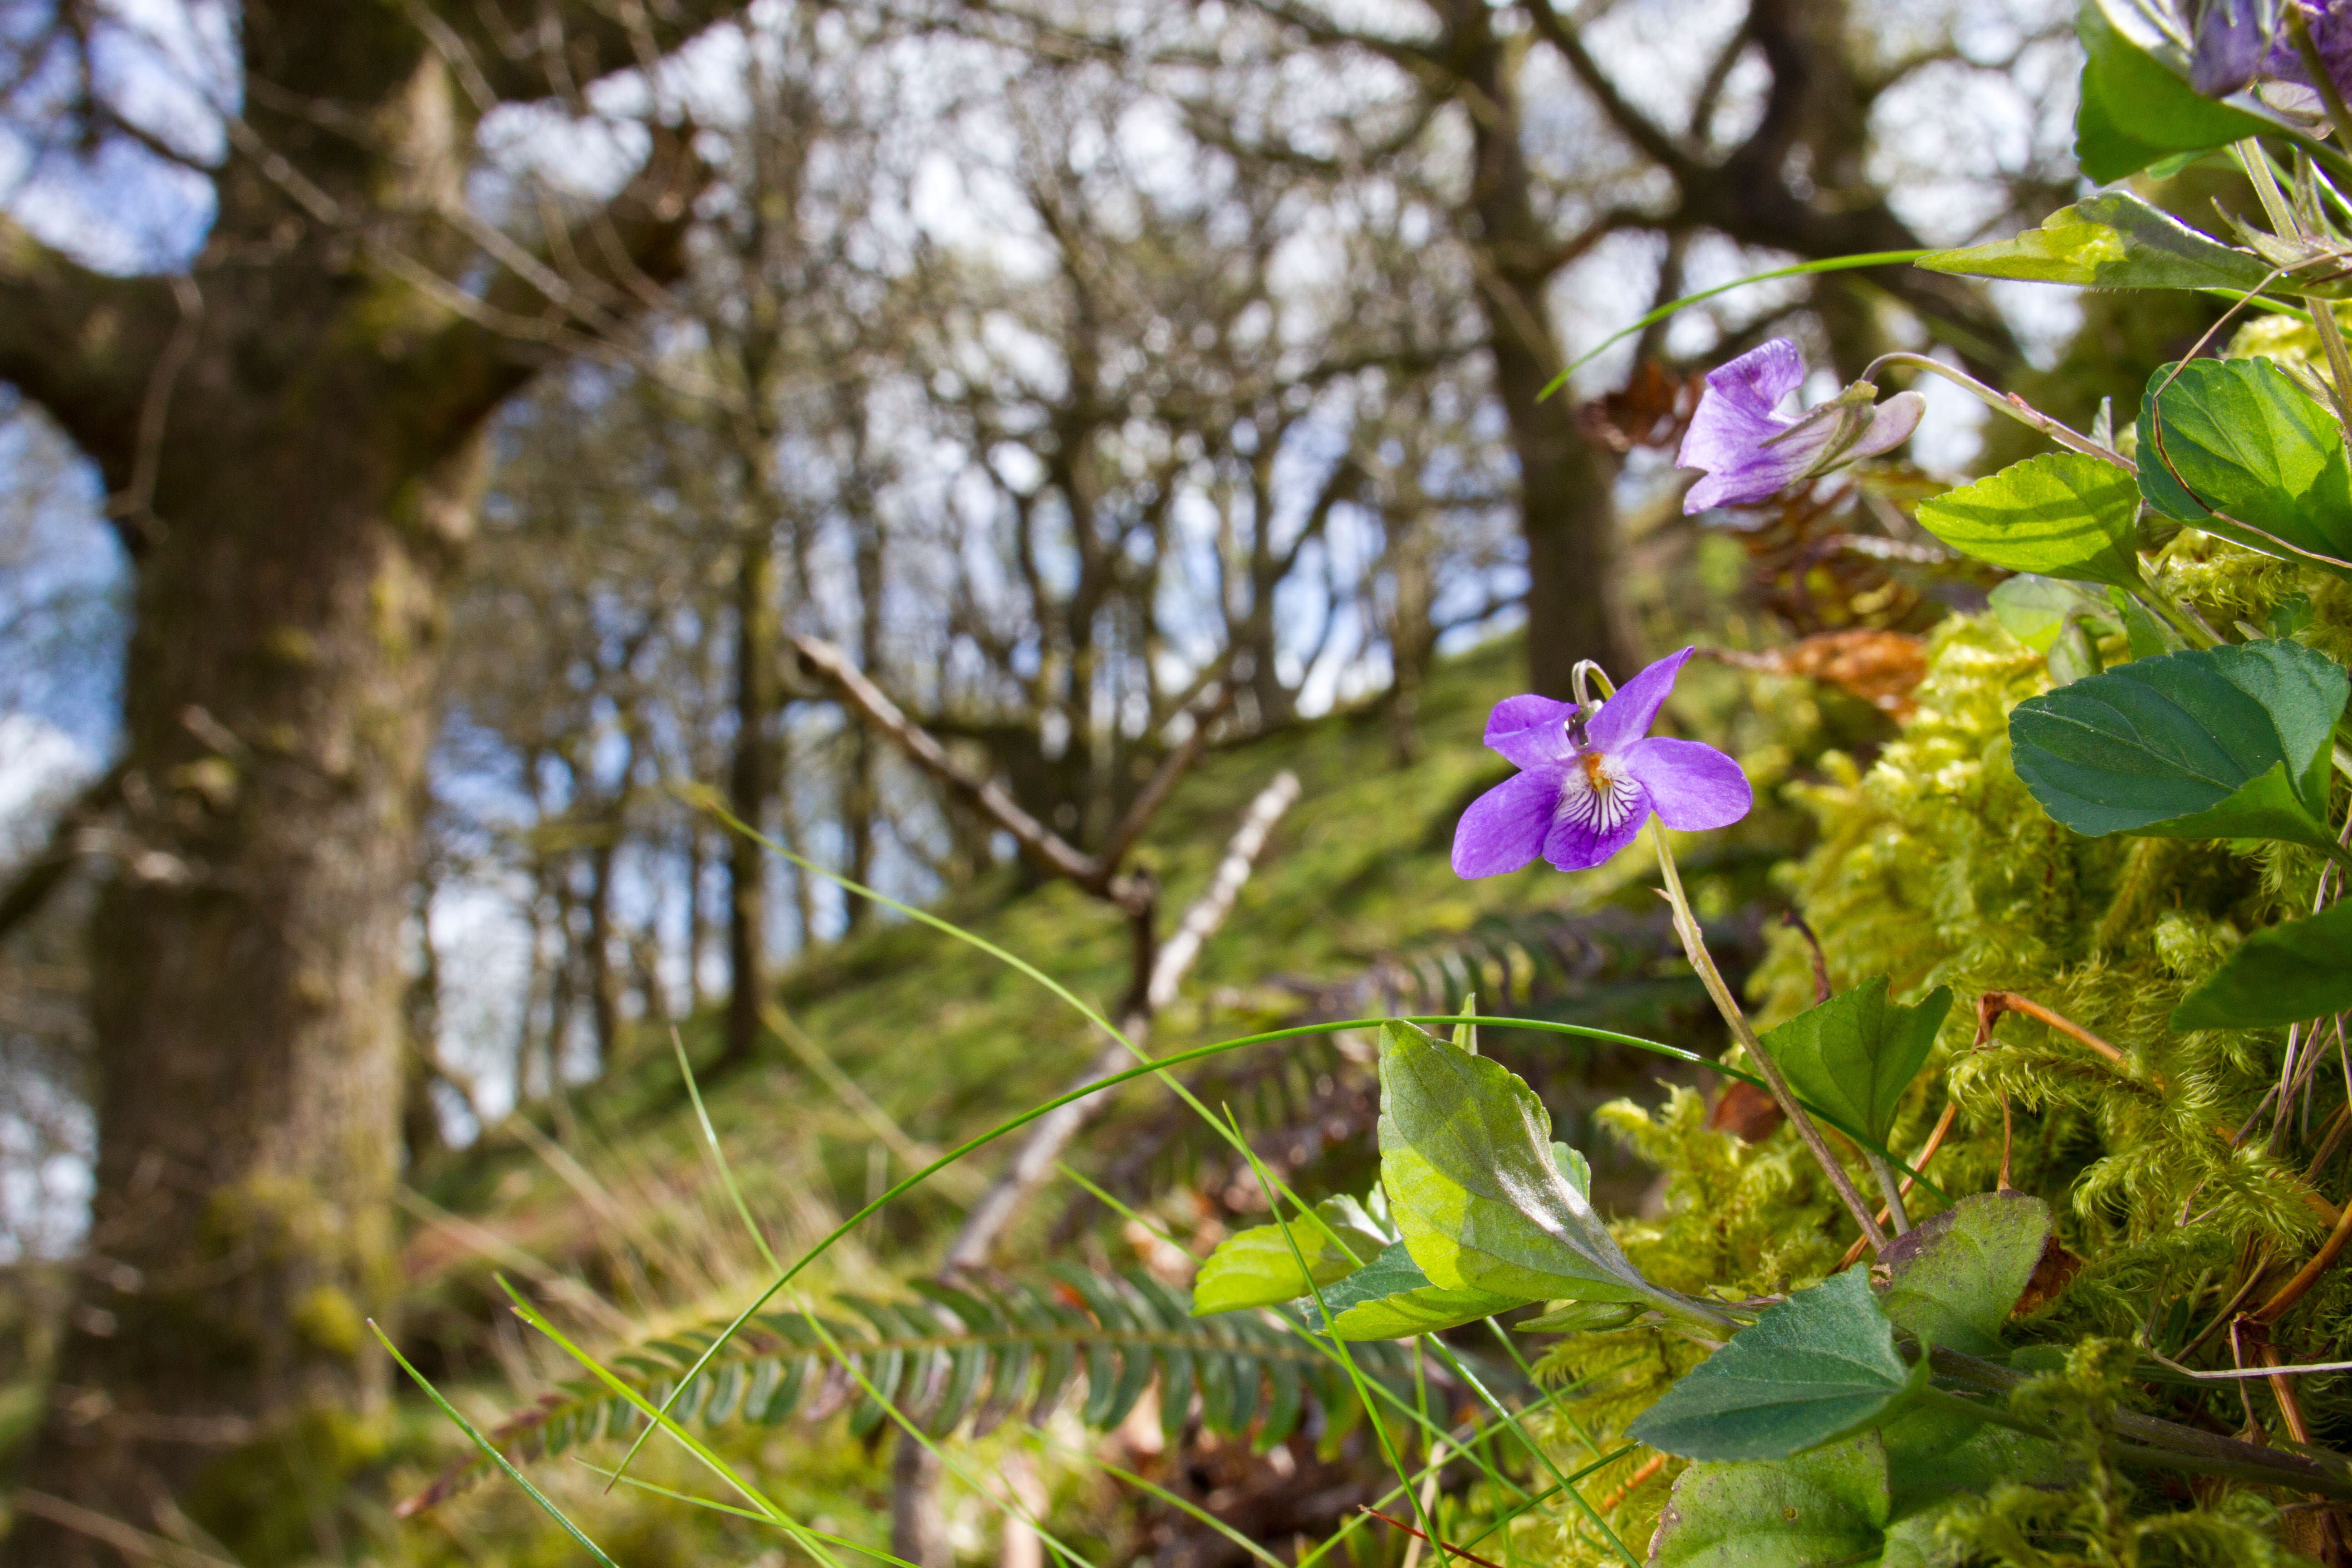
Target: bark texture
{"points": [[292, 438]]}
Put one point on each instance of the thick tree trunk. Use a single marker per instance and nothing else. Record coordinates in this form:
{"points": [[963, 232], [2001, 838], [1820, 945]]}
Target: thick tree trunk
{"points": [[1576, 589], [247, 975]]}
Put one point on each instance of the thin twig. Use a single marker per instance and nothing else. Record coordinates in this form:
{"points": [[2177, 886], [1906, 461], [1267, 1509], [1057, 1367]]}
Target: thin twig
{"points": [[1412, 1529]]}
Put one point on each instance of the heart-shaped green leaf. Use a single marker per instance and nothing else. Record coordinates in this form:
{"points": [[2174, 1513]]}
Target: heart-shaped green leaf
{"points": [[2114, 240], [2224, 742], [1257, 1268], [1390, 1299], [2286, 975], [1814, 1510], [1855, 1054], [1958, 1274], [2133, 109], [2240, 437], [1819, 1366], [2061, 514], [1474, 1188]]}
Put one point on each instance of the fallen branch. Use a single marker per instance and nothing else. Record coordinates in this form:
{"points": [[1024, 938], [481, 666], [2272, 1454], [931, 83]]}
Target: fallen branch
{"points": [[1035, 1161]]}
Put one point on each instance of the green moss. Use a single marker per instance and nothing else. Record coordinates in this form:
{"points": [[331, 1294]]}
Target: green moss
{"points": [[291, 1496]]}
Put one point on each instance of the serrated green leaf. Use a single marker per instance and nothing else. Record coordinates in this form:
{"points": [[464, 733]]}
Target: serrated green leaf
{"points": [[1466, 1157], [1819, 1366], [1828, 1506], [2061, 514], [2225, 743], [1390, 1299], [1958, 1274], [1257, 1268], [2114, 240], [1854, 1055], [2284, 975], [2239, 437], [2134, 111]]}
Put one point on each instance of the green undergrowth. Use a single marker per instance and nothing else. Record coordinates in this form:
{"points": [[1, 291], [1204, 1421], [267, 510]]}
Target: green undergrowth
{"points": [[1935, 867]]}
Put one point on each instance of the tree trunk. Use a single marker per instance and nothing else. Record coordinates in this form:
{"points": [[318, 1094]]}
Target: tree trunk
{"points": [[1576, 591], [751, 785], [247, 979]]}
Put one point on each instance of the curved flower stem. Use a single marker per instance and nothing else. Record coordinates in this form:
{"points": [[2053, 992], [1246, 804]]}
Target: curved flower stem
{"points": [[2016, 407], [1695, 946]]}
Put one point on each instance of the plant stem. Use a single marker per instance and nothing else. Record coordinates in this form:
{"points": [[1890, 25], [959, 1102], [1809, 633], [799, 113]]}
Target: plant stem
{"points": [[2016, 407], [1891, 1186], [1694, 947]]}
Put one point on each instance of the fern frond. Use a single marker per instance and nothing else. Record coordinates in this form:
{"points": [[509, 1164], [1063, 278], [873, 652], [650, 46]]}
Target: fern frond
{"points": [[971, 1351]]}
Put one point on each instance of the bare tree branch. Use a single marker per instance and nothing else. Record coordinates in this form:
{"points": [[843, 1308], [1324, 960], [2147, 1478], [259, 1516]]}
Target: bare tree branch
{"points": [[986, 1220]]}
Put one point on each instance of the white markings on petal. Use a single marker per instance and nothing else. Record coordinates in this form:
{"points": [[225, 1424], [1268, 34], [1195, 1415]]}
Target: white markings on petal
{"points": [[1597, 793]]}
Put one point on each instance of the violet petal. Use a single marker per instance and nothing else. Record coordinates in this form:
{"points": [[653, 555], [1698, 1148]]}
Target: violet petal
{"points": [[1626, 717], [1532, 731], [1504, 828], [1692, 785], [1573, 845]]}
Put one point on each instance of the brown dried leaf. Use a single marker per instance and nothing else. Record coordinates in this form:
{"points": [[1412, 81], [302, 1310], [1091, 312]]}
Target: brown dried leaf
{"points": [[1882, 668]]}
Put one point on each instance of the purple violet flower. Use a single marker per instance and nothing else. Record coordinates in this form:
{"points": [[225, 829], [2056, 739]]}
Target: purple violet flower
{"points": [[1581, 799], [1750, 450], [2330, 22], [2232, 36]]}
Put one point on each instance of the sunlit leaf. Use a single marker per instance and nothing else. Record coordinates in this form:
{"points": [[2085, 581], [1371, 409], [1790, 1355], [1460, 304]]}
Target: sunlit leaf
{"points": [[1854, 1055], [2061, 514], [2240, 437], [1257, 1268], [2035, 610], [1958, 1274], [2114, 240], [1473, 1187], [2225, 743], [1390, 1299], [2283, 974], [1819, 1366]]}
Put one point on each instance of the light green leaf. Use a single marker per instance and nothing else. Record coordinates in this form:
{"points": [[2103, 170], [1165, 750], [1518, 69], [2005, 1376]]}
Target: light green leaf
{"points": [[1575, 1167], [2240, 437], [1958, 1274], [2286, 975], [2133, 110], [1257, 1268], [2035, 610], [1390, 1299], [2061, 514], [2114, 240], [2147, 636], [1819, 1366], [2225, 743], [1474, 1188], [1854, 1055], [1825, 1508]]}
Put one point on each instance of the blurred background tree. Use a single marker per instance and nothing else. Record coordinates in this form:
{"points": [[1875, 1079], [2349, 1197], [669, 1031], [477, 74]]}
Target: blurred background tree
{"points": [[507, 395]]}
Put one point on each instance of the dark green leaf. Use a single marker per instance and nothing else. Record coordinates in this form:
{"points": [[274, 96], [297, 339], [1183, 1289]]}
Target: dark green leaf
{"points": [[1958, 1274], [1390, 1299], [2061, 514], [1466, 1156], [1854, 1055], [2114, 240], [2284, 975], [1819, 1366], [2134, 111], [2239, 437], [2226, 743], [1821, 1508], [1258, 1267]]}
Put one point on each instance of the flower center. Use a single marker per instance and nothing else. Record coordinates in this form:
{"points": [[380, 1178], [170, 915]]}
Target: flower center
{"points": [[1598, 794]]}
